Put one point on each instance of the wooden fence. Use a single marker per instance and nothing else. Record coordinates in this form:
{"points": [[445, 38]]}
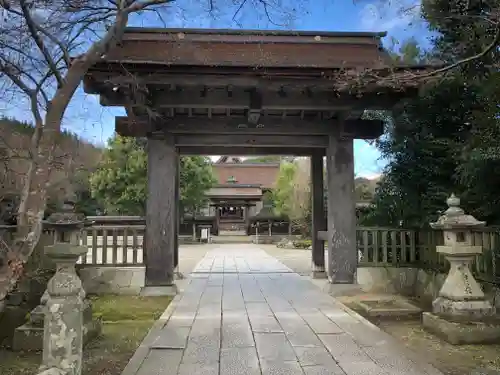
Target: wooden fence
{"points": [[118, 241], [384, 247]]}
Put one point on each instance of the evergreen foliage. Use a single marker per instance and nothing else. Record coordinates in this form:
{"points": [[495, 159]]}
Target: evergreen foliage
{"points": [[120, 181]]}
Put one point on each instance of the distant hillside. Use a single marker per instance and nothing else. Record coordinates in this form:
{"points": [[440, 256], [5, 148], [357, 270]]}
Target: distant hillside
{"points": [[74, 159]]}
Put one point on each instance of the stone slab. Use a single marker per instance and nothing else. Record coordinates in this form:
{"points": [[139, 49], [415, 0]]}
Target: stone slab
{"points": [[459, 333], [319, 323], [280, 367], [171, 337], [274, 347], [198, 369], [311, 356], [296, 328], [389, 308], [265, 324], [160, 362], [239, 361], [332, 369], [237, 333]]}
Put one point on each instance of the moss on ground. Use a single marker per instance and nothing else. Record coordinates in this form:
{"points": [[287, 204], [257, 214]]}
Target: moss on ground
{"points": [[120, 308], [126, 321]]}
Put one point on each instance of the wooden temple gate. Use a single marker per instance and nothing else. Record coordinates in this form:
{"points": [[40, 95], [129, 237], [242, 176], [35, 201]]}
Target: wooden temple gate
{"points": [[220, 92]]}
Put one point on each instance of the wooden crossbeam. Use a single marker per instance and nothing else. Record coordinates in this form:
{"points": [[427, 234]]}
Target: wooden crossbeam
{"points": [[248, 151], [222, 99], [354, 128], [251, 140], [362, 129]]}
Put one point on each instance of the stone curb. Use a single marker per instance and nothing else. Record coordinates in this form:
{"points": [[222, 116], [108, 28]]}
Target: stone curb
{"points": [[417, 358], [142, 351]]}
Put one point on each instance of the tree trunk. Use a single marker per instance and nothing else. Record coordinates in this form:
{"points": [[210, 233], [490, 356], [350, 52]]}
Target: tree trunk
{"points": [[33, 201]]}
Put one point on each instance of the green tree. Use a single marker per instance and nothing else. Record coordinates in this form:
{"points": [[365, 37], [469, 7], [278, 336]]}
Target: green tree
{"points": [[120, 181], [196, 177], [292, 195], [284, 188], [447, 139]]}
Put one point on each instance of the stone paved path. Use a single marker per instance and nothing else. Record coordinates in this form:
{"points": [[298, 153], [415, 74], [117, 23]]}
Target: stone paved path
{"points": [[244, 312]]}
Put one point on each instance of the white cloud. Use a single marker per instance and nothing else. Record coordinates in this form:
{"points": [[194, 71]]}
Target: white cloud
{"points": [[389, 16]]}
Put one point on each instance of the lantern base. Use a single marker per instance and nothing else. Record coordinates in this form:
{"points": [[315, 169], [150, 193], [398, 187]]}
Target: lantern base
{"points": [[461, 331], [467, 309], [29, 337]]}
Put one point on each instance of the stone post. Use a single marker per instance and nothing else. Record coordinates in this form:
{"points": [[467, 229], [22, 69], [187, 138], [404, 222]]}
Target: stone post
{"points": [[460, 296]]}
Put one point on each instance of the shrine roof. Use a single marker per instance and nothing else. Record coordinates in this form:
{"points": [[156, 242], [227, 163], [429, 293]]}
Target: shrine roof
{"points": [[173, 48], [161, 30], [234, 192], [215, 82], [256, 174]]}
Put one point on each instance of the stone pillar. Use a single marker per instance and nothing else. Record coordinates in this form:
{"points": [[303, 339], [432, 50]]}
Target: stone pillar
{"points": [[461, 295], [63, 324], [342, 254], [318, 217], [161, 212]]}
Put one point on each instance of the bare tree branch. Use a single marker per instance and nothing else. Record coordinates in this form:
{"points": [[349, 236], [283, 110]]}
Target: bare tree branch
{"points": [[33, 29]]}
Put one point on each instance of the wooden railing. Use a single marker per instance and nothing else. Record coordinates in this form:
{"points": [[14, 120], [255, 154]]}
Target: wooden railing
{"points": [[113, 245], [118, 241], [383, 247], [388, 246]]}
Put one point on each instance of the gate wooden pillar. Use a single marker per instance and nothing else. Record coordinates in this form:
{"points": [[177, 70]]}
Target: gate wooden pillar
{"points": [[342, 253], [161, 212], [178, 213], [318, 216]]}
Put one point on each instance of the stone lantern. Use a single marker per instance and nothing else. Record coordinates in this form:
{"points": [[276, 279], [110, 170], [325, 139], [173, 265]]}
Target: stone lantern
{"points": [[460, 295], [68, 320], [461, 314], [62, 323]]}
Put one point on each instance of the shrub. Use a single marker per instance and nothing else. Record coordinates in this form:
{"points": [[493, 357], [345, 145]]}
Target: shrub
{"points": [[302, 244]]}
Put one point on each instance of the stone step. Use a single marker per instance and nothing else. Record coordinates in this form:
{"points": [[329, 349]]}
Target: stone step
{"points": [[232, 233], [231, 239]]}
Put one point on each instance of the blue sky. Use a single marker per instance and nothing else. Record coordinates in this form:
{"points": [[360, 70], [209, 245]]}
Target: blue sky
{"points": [[399, 18]]}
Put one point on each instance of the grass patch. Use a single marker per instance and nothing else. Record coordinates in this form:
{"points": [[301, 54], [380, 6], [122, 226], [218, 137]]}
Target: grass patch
{"points": [[126, 321], [120, 308]]}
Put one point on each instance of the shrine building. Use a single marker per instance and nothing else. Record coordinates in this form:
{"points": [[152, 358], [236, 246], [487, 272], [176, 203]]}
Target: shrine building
{"points": [[240, 190]]}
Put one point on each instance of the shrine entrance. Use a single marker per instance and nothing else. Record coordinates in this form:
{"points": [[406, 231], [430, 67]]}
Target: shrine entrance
{"points": [[219, 92]]}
